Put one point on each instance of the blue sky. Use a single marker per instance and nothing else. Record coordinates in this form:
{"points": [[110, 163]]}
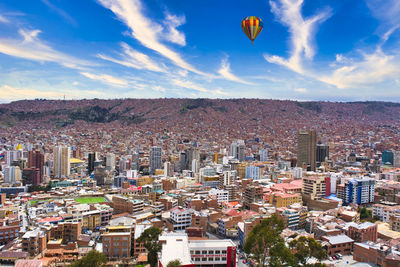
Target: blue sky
{"points": [[335, 50]]}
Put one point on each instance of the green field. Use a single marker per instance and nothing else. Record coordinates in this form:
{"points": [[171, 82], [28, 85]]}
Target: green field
{"points": [[90, 200], [33, 202]]}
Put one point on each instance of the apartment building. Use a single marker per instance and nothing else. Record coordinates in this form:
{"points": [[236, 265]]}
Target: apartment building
{"points": [[123, 204], [117, 245], [314, 187], [34, 242], [180, 218]]}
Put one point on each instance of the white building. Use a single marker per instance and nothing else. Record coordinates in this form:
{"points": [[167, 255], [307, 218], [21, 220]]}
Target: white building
{"points": [[221, 195], [181, 218], [297, 172], [196, 252], [237, 150], [384, 212], [229, 177]]}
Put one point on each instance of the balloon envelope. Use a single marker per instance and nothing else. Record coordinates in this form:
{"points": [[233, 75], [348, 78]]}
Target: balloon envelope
{"points": [[252, 27]]}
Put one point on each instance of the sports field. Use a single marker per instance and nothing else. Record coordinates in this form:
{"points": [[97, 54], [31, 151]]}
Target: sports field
{"points": [[90, 200]]}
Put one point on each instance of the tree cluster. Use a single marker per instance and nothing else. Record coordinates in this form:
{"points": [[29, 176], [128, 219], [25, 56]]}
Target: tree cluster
{"points": [[265, 245]]}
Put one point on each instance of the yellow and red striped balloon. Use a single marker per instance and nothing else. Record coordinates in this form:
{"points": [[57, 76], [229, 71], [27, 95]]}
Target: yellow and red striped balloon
{"points": [[252, 27]]}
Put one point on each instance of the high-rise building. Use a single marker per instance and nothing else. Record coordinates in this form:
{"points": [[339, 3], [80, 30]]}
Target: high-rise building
{"points": [[359, 191], [237, 150], [167, 169], [91, 160], [387, 157], [322, 153], [135, 161], [155, 159], [263, 155], [306, 149], [396, 159], [253, 172], [229, 177], [110, 161], [191, 154], [12, 174], [62, 163], [36, 160], [314, 187]]}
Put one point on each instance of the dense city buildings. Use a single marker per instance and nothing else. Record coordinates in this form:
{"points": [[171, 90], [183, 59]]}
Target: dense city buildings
{"points": [[59, 199]]}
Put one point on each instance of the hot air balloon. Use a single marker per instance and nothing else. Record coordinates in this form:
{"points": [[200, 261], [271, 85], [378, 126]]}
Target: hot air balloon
{"points": [[252, 27]]}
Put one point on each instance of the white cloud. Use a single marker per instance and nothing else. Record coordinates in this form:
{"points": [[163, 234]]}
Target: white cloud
{"points": [[60, 12], [288, 12], [387, 11], [134, 59], [32, 48], [225, 72], [144, 30], [104, 78], [3, 19], [172, 34], [11, 93], [301, 90], [193, 86], [370, 70], [158, 88]]}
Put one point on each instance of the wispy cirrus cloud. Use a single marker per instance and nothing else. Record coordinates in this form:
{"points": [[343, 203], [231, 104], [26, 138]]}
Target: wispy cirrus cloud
{"points": [[134, 59], [11, 93], [172, 22], [226, 73], [302, 30], [32, 48], [193, 86], [107, 79], [3, 19], [60, 12], [143, 29]]}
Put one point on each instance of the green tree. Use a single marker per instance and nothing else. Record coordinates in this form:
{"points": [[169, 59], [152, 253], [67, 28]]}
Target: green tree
{"points": [[305, 248], [92, 259], [149, 238], [174, 263], [265, 241]]}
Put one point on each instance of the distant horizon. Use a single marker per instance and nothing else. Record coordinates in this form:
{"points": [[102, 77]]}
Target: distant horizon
{"points": [[188, 98], [308, 50]]}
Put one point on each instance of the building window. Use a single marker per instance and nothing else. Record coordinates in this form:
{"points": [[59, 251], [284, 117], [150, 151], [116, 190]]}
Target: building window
{"points": [[211, 252], [210, 259], [197, 259], [197, 252], [223, 259], [224, 252], [204, 259], [204, 252], [217, 252], [217, 259]]}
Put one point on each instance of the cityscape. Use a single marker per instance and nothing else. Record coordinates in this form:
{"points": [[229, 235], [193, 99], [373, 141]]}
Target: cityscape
{"points": [[212, 133]]}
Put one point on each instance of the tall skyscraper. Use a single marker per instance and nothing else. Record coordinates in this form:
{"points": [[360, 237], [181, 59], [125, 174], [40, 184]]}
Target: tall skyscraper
{"points": [[91, 160], [237, 150], [110, 161], [12, 174], [322, 153], [36, 160], [191, 154], [306, 149], [155, 159], [62, 163]]}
